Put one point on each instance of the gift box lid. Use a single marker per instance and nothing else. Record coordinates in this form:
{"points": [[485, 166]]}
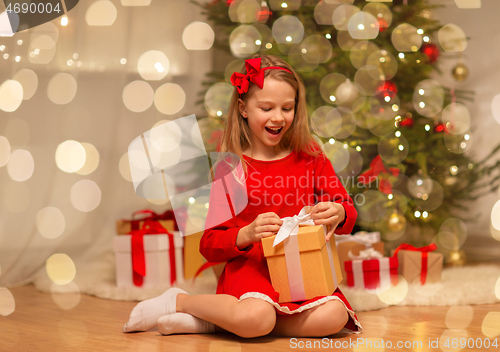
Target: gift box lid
{"points": [[152, 243], [371, 264], [309, 238]]}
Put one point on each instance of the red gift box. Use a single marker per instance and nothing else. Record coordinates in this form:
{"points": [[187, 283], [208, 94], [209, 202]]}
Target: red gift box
{"points": [[367, 274]]}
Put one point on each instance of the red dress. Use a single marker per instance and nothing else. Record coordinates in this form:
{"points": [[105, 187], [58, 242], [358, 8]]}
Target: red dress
{"points": [[282, 186]]}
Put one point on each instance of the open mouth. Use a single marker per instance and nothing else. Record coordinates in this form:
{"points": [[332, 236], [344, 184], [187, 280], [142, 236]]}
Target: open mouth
{"points": [[273, 130]]}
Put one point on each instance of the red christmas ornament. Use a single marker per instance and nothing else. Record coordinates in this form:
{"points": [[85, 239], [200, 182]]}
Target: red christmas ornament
{"points": [[440, 127], [387, 88], [382, 24], [431, 51], [408, 122]]}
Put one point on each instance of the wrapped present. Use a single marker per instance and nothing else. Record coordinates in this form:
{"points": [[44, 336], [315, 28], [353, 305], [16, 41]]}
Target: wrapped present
{"points": [[356, 243], [370, 270], [166, 220], [193, 259], [149, 257], [419, 264], [302, 265]]}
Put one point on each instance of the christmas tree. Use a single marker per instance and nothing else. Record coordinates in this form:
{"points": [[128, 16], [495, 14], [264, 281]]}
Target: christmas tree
{"points": [[397, 138]]}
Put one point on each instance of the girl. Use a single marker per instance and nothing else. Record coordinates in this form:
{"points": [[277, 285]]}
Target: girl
{"points": [[267, 127]]}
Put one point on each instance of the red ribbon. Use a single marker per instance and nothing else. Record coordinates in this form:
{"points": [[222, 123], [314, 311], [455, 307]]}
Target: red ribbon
{"points": [[149, 227], [135, 223], [425, 253], [376, 168], [254, 74]]}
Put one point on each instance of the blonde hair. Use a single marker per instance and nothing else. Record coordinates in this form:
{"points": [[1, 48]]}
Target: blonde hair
{"points": [[236, 136]]}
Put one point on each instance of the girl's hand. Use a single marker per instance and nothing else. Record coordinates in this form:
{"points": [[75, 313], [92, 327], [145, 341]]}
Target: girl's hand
{"points": [[264, 225], [328, 213]]}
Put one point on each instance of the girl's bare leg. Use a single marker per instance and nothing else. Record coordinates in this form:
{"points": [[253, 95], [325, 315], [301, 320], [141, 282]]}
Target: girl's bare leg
{"points": [[250, 317], [324, 320]]}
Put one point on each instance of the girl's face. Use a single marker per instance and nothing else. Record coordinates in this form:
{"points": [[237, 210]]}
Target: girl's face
{"points": [[269, 112]]}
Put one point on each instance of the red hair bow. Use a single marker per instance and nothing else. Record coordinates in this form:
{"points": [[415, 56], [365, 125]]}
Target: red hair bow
{"points": [[254, 74]]}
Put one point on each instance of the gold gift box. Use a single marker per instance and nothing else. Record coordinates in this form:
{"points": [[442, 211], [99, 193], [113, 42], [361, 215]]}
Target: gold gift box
{"points": [[410, 266], [314, 261]]}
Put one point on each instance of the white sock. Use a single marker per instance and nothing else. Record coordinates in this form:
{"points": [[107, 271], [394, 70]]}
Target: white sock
{"points": [[145, 314], [182, 323]]}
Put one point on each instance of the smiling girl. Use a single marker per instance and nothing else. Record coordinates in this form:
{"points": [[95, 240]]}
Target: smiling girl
{"points": [[267, 128]]}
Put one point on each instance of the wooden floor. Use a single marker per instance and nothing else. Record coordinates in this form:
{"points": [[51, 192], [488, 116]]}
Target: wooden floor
{"points": [[40, 324]]}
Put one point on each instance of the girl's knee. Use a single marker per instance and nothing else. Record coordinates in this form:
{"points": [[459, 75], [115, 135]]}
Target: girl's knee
{"points": [[336, 317], [257, 319]]}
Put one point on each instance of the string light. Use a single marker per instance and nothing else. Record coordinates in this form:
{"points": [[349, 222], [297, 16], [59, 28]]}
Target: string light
{"points": [[331, 141], [417, 214], [427, 127], [328, 36], [358, 148], [401, 55], [64, 21]]}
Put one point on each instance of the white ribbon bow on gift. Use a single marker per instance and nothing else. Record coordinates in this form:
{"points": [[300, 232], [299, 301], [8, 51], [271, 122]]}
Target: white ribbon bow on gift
{"points": [[357, 268], [366, 254], [288, 235]]}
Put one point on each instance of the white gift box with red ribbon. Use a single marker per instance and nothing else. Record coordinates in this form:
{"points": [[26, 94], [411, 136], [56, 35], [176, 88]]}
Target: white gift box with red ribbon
{"points": [[157, 259]]}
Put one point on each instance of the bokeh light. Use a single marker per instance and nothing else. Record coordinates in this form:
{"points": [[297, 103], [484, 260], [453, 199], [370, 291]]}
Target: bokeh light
{"points": [[217, 99], [62, 88], [432, 200], [406, 38], [323, 12], [322, 123], [452, 38], [297, 60], [458, 143], [457, 228], [346, 93], [394, 294], [316, 49], [345, 120], [4, 151], [138, 96], [91, 160], [393, 149], [491, 325], [136, 2], [497, 288], [124, 167], [43, 41], [337, 154], [451, 335], [363, 25], [280, 5], [247, 11], [456, 117], [382, 107], [211, 132], [328, 86], [495, 216], [65, 296], [21, 165], [7, 302], [70, 156], [495, 107], [28, 80], [371, 205], [60, 269], [170, 98], [11, 95], [16, 196], [342, 15], [459, 317], [381, 12], [288, 30], [385, 62], [360, 53], [367, 80], [153, 65], [198, 36], [244, 41], [234, 66], [101, 13], [85, 195], [50, 222], [428, 98]]}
